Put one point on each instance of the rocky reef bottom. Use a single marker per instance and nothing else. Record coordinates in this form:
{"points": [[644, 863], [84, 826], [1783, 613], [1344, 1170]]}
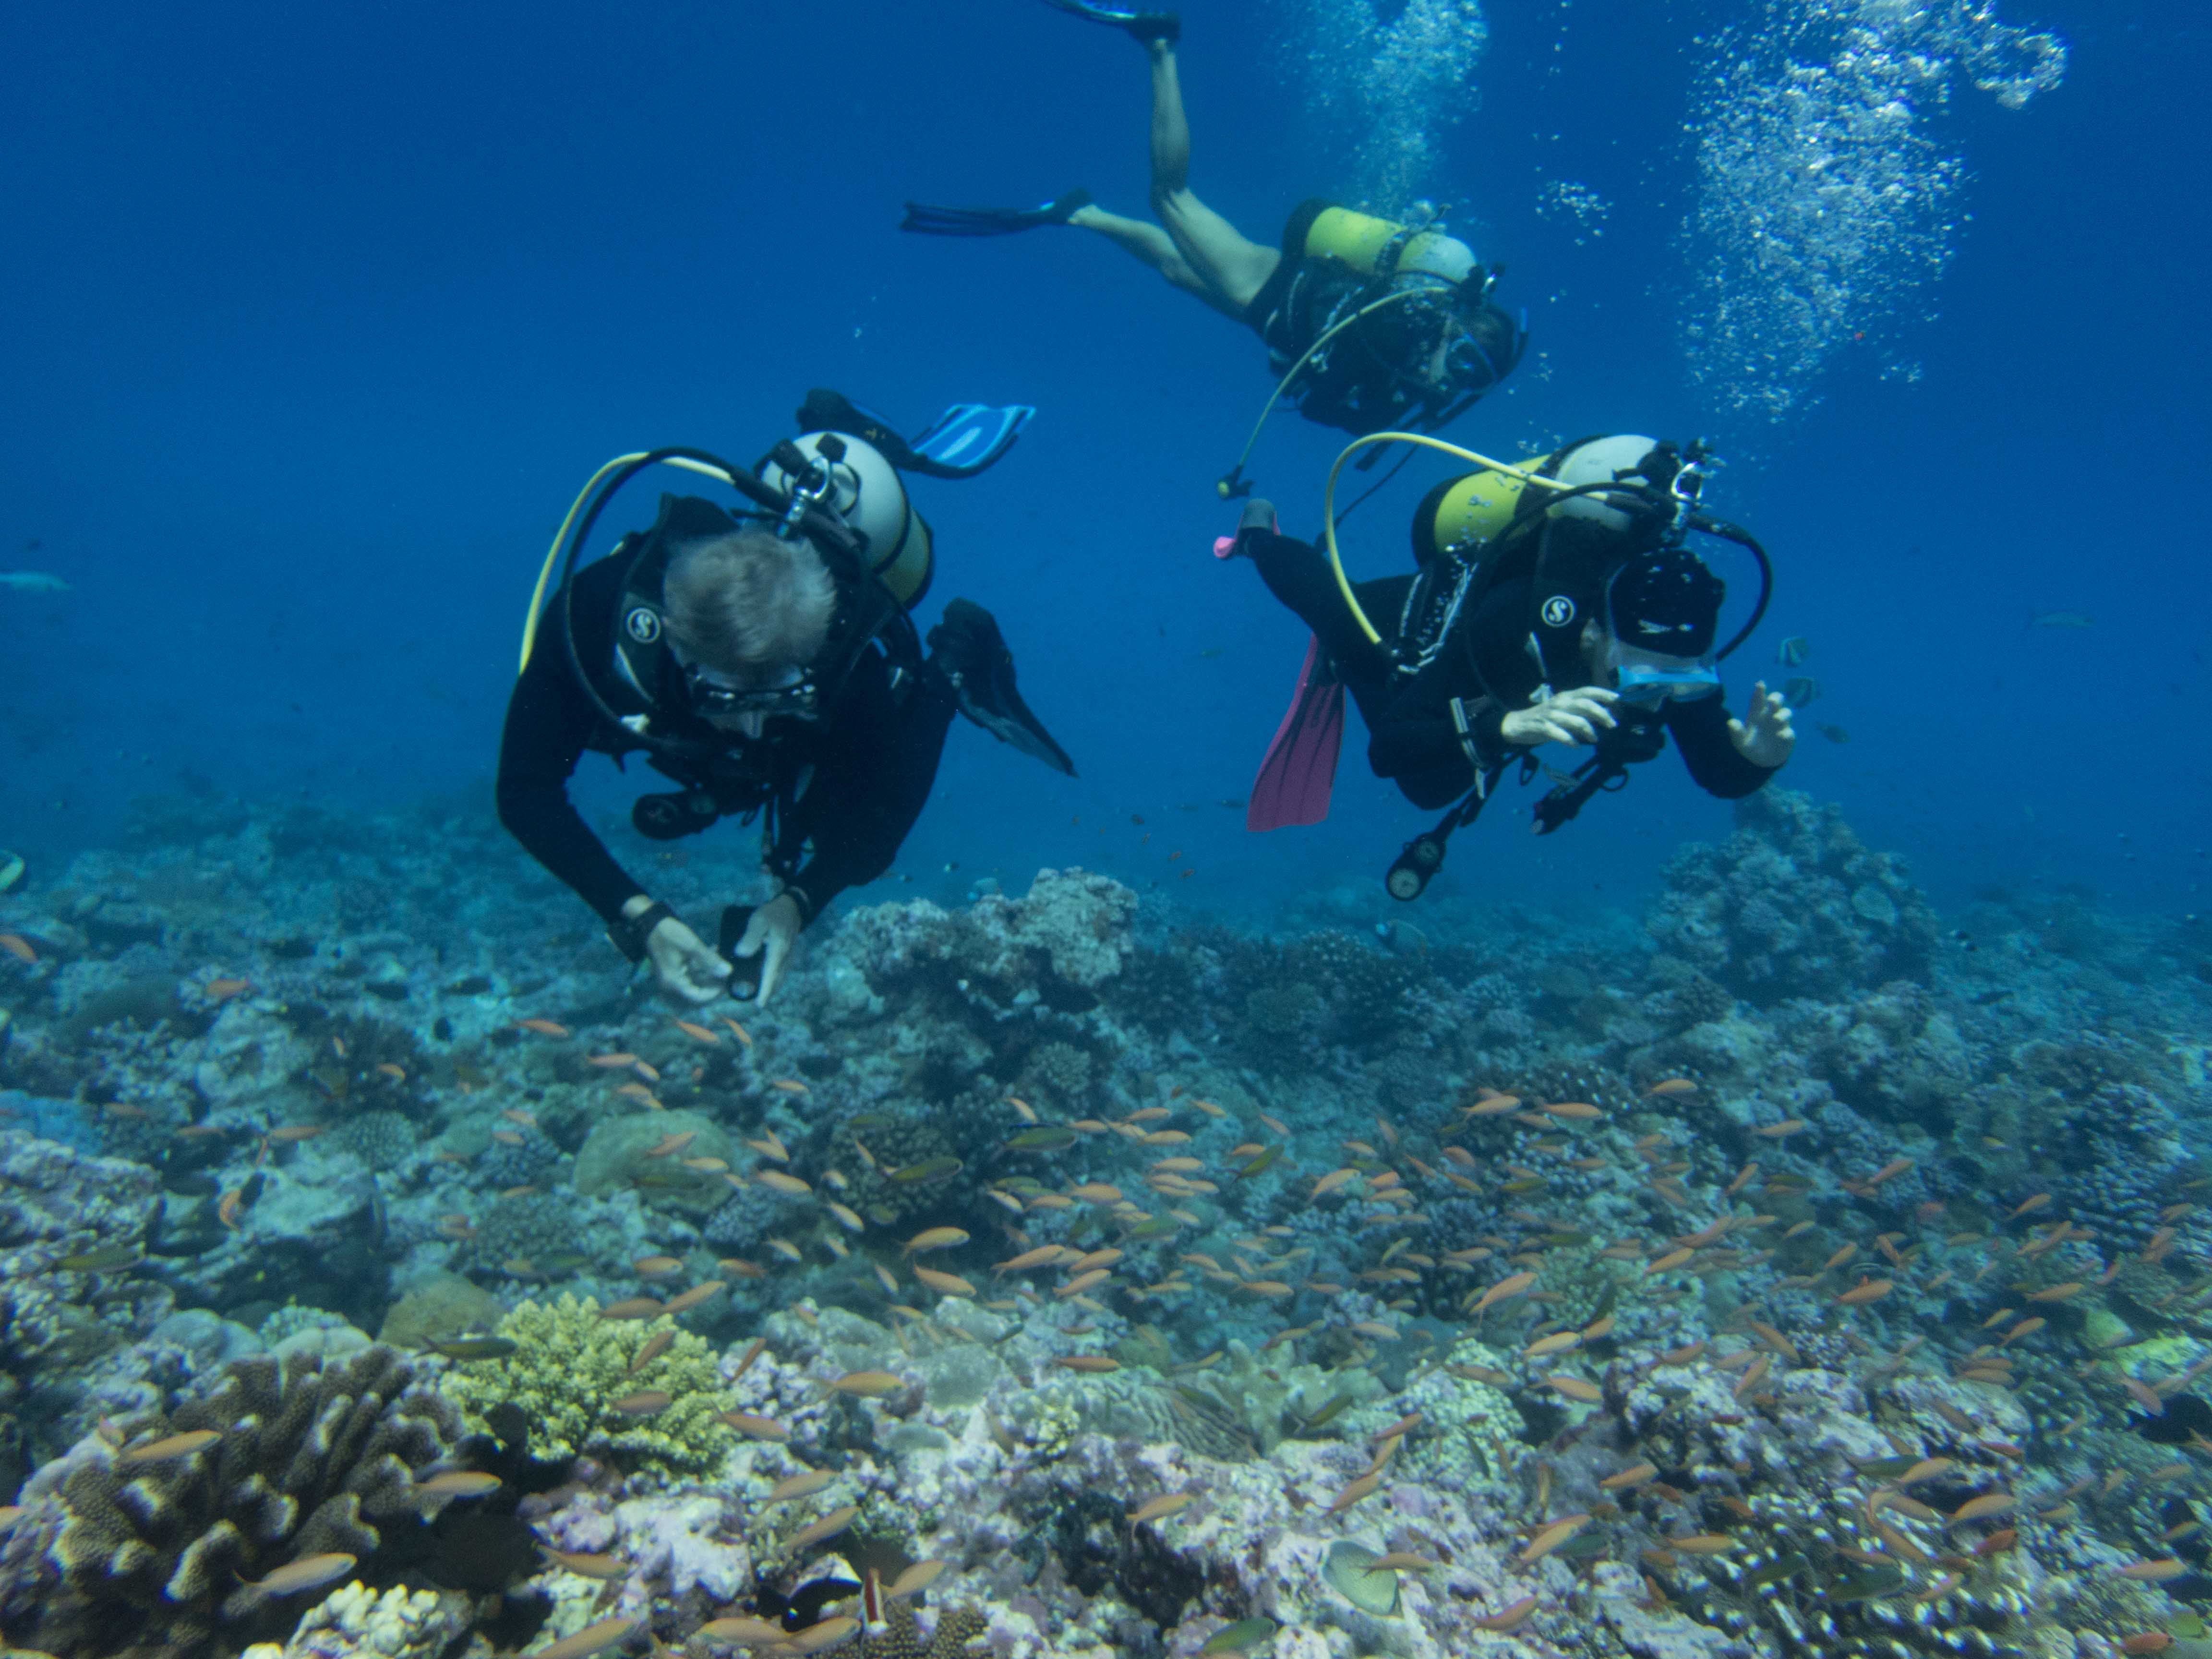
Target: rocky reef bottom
{"points": [[388, 1273]]}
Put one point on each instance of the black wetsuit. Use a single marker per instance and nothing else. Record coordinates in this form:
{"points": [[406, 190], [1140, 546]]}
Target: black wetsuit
{"points": [[843, 790], [1360, 384], [1490, 669]]}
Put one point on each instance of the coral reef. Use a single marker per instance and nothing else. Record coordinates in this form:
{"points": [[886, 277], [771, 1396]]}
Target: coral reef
{"points": [[572, 1368], [153, 1557], [1792, 905], [1152, 1280], [357, 1623]]}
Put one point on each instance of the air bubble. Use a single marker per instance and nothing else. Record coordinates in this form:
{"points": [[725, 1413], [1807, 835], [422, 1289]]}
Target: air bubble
{"points": [[1826, 200]]}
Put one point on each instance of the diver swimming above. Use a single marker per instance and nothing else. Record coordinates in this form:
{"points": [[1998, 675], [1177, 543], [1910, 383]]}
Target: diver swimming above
{"points": [[765, 660], [1557, 601], [1369, 324]]}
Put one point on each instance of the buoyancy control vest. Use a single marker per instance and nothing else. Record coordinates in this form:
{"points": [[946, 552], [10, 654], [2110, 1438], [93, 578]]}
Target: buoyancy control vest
{"points": [[1625, 495], [1472, 531], [1357, 308]]}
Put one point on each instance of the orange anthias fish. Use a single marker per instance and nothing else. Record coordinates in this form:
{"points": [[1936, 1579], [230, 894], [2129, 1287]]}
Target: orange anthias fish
{"points": [[542, 1027], [1504, 1290], [17, 946], [223, 990]]}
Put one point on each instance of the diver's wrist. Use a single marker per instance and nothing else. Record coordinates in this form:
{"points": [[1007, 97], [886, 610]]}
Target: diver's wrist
{"points": [[797, 894]]}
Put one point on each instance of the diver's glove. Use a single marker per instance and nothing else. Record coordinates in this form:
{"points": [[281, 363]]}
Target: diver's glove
{"points": [[685, 970], [1764, 735], [1570, 717], [1259, 514], [770, 932]]}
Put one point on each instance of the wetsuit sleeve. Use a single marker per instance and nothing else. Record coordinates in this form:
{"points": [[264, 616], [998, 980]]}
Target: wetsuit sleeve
{"points": [[872, 778], [1701, 732], [549, 721]]}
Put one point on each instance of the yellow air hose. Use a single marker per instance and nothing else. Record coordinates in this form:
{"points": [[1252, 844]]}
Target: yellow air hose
{"points": [[553, 553], [1328, 502]]}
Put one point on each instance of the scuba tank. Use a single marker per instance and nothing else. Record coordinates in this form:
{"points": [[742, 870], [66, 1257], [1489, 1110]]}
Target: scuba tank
{"points": [[864, 490]]}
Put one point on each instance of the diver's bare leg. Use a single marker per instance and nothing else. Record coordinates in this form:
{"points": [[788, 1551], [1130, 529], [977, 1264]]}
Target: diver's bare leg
{"points": [[1148, 243], [1230, 266]]}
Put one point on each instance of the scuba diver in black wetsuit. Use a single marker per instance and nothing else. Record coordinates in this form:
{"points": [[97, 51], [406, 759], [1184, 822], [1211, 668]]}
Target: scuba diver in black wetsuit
{"points": [[1369, 324], [766, 660], [1554, 602]]}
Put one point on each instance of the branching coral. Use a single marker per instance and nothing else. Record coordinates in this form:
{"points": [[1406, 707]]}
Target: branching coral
{"points": [[315, 1457], [572, 1366], [1792, 905]]}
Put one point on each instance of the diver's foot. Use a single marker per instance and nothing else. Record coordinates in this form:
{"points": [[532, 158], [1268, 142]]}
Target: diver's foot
{"points": [[1155, 27], [927, 219], [967, 645], [1258, 515]]}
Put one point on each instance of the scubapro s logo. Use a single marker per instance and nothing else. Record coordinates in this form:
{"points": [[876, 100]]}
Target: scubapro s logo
{"points": [[642, 624], [1559, 611]]}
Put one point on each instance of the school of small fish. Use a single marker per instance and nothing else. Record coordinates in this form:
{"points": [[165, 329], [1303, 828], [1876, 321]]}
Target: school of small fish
{"points": [[1162, 1244]]}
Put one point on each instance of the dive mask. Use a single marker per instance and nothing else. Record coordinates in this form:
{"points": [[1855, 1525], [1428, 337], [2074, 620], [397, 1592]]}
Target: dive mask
{"points": [[1649, 681], [1476, 361], [789, 696]]}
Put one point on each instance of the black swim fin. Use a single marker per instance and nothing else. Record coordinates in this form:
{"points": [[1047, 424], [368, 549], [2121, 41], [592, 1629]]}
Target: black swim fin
{"points": [[969, 649], [926, 221], [1146, 26]]}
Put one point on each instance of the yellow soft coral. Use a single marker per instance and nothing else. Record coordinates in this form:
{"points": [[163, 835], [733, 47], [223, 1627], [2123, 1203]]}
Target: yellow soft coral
{"points": [[572, 1366]]}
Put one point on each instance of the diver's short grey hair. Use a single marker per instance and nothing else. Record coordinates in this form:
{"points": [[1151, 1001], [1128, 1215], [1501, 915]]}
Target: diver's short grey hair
{"points": [[748, 598]]}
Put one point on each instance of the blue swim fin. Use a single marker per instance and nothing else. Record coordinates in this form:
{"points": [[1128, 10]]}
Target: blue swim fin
{"points": [[1146, 26], [962, 442], [925, 220], [968, 438]]}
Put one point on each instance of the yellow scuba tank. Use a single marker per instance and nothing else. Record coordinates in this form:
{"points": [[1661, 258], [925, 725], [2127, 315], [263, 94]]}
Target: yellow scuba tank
{"points": [[865, 491], [1469, 510], [1360, 239]]}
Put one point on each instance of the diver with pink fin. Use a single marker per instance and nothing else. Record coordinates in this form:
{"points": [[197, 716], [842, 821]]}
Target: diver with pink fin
{"points": [[1558, 601]]}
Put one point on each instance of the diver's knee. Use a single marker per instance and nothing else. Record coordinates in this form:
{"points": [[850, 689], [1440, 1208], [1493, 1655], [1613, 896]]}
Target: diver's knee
{"points": [[1173, 204]]}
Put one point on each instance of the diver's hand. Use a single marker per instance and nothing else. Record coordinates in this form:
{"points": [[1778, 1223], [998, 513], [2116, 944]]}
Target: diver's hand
{"points": [[1571, 717], [770, 935], [688, 972], [1764, 735]]}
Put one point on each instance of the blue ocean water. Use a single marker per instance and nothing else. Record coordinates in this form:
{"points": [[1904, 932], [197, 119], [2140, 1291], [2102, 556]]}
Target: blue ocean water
{"points": [[1801, 1176], [315, 319]]}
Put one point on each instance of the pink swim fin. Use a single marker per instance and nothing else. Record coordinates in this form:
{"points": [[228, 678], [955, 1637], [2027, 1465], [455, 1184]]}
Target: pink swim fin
{"points": [[1295, 780]]}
